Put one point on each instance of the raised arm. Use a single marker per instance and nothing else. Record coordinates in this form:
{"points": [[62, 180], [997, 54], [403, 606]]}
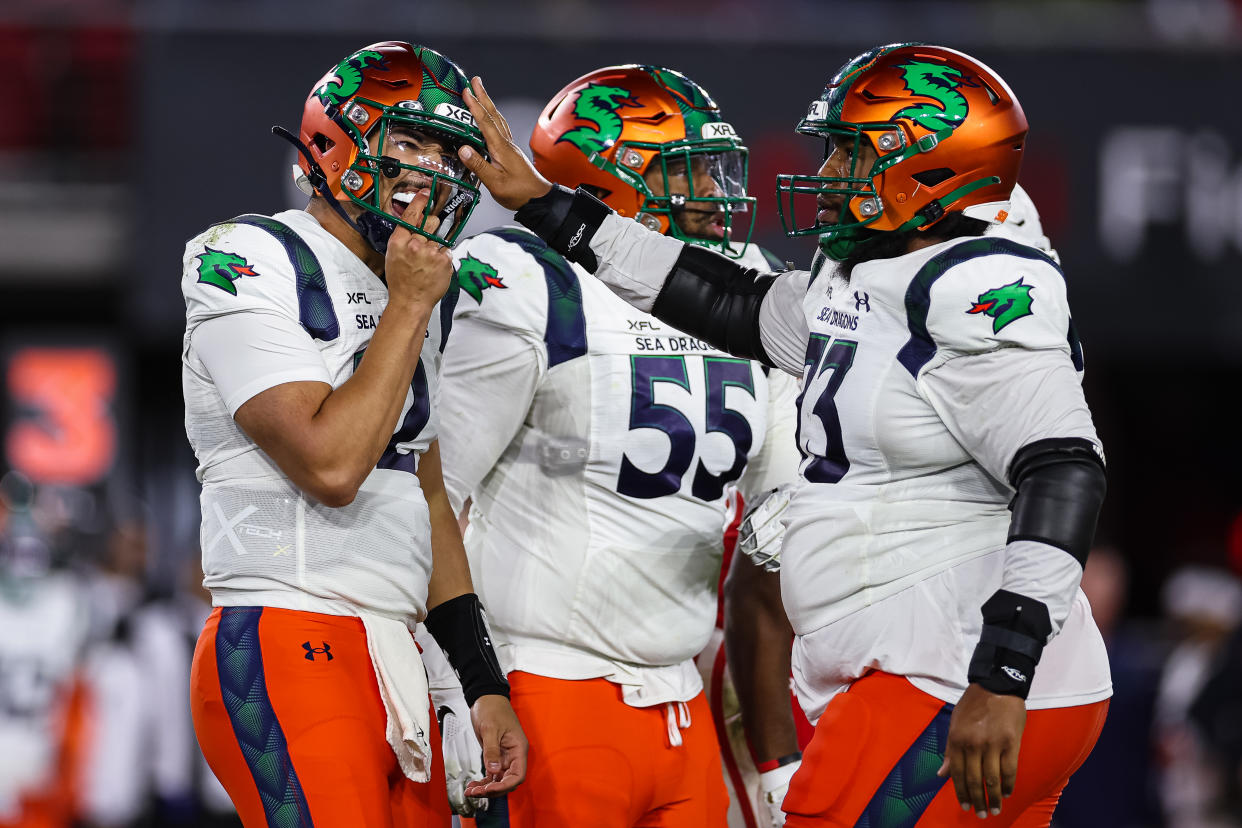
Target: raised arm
{"points": [[696, 290]]}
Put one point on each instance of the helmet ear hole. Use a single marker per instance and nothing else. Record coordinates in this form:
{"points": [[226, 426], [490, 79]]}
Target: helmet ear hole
{"points": [[930, 178], [322, 142]]}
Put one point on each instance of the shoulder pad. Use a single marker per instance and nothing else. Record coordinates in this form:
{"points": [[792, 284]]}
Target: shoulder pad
{"points": [[233, 267], [983, 294], [512, 278]]}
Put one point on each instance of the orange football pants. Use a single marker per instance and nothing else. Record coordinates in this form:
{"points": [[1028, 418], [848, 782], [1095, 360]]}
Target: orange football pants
{"points": [[596, 761], [288, 714], [875, 753]]}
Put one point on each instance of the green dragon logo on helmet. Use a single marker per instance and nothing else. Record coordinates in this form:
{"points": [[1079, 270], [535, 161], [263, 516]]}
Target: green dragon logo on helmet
{"points": [[598, 104], [221, 269], [1004, 304], [474, 277], [348, 78], [940, 83]]}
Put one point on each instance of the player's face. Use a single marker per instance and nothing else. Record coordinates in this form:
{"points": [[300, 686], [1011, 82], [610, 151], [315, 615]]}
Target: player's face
{"points": [[412, 147], [699, 219], [845, 156]]}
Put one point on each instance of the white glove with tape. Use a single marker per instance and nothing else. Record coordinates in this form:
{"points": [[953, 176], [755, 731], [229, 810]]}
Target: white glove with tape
{"points": [[762, 531], [463, 755], [773, 785]]}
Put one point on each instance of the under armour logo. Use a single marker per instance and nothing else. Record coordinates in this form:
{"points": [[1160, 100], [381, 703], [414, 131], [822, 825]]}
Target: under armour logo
{"points": [[863, 301], [326, 649]]}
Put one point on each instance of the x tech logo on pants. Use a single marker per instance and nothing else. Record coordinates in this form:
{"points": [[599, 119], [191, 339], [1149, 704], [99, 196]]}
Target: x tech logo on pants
{"points": [[326, 649]]}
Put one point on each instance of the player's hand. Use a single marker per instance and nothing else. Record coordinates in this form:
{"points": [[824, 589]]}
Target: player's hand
{"points": [[773, 785], [463, 755], [418, 270], [508, 174], [762, 532], [504, 746], [985, 733]]}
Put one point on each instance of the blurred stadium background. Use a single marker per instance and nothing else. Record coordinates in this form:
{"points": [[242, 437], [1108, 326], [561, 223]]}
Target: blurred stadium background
{"points": [[129, 126]]}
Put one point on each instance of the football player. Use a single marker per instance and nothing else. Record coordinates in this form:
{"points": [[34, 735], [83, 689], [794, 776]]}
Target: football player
{"points": [[598, 445], [951, 474], [311, 361]]}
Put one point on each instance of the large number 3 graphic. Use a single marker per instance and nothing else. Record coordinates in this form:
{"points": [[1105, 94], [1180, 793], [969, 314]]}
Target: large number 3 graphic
{"points": [[827, 363], [645, 412]]}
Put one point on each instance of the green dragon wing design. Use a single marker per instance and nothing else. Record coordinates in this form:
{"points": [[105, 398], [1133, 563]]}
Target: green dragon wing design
{"points": [[1004, 304], [598, 104], [940, 83], [476, 276], [221, 269], [348, 77]]}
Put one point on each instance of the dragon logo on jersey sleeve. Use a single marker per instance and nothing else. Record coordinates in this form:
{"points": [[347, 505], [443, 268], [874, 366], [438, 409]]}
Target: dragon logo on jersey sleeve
{"points": [[598, 104], [475, 276], [1004, 304], [222, 269]]}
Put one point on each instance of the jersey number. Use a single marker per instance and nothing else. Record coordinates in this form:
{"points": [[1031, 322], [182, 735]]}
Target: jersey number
{"points": [[827, 363], [645, 412], [412, 424]]}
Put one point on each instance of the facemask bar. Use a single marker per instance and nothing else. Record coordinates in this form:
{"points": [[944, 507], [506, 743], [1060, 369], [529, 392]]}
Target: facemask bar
{"points": [[727, 164], [453, 190]]}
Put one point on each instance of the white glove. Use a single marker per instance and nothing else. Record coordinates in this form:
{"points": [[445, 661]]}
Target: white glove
{"points": [[773, 785], [463, 755], [762, 531]]}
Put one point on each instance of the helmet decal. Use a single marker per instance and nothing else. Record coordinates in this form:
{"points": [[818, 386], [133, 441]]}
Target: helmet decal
{"points": [[598, 104], [348, 77], [938, 82]]}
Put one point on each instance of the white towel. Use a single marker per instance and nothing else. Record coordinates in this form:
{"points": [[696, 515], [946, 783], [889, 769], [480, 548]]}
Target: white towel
{"points": [[403, 687]]}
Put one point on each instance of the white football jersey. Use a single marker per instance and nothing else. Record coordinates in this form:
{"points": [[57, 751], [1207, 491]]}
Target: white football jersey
{"points": [[260, 312], [598, 445], [45, 627], [923, 375]]}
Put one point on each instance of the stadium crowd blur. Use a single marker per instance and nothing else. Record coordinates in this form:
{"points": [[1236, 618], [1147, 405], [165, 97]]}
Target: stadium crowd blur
{"points": [[130, 125]]}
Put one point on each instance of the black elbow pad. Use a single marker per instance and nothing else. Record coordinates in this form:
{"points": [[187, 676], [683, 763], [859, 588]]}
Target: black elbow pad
{"points": [[715, 299], [1060, 487]]}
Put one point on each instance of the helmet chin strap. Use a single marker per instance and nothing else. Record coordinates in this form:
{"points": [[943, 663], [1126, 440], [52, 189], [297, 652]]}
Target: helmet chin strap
{"points": [[370, 226]]}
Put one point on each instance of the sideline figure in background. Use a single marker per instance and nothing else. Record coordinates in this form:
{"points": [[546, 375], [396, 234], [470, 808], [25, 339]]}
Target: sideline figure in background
{"points": [[941, 387], [597, 445], [326, 531]]}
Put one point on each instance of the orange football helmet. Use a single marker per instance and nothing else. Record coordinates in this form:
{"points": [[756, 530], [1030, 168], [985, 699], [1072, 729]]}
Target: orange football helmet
{"points": [[606, 129], [349, 115], [948, 133]]}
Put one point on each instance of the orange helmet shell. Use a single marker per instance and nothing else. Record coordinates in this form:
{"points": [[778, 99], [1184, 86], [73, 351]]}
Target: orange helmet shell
{"points": [[348, 102], [940, 121], [585, 135]]}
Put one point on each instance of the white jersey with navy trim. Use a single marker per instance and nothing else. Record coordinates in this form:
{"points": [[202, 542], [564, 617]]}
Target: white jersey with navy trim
{"points": [[269, 302], [922, 375], [598, 445]]}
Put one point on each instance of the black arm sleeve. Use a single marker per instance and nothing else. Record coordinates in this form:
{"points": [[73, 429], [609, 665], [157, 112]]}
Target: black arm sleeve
{"points": [[714, 298], [1060, 487], [458, 627], [706, 295]]}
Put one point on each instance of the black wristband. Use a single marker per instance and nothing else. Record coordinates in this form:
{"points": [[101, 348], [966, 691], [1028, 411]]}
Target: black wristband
{"points": [[459, 628], [1015, 629], [567, 220]]}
